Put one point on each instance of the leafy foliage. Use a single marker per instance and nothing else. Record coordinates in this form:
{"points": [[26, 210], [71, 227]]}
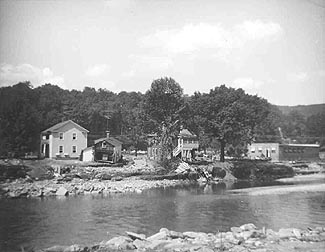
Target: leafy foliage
{"points": [[227, 115], [163, 104], [230, 115]]}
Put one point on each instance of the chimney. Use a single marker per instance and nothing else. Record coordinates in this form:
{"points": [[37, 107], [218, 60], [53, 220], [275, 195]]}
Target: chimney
{"points": [[107, 133]]}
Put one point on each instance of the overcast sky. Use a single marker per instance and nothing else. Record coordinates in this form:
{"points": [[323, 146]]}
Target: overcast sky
{"points": [[273, 48]]}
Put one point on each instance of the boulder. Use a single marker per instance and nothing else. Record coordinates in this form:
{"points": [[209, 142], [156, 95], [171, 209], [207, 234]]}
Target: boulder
{"points": [[49, 191], [120, 242], [76, 248], [174, 245], [62, 192], [13, 195], [158, 236], [117, 178], [141, 244], [248, 227], [191, 235], [286, 233], [135, 236], [157, 244], [56, 248], [236, 230], [297, 233], [247, 234], [175, 235]]}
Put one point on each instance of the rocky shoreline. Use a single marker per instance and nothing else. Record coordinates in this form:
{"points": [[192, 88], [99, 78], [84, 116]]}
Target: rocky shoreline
{"points": [[21, 188], [81, 180], [244, 238]]}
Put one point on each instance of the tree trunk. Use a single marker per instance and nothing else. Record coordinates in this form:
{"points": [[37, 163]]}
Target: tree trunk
{"points": [[222, 150]]}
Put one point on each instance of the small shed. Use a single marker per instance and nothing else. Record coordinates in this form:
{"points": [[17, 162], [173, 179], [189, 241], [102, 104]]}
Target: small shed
{"points": [[107, 149]]}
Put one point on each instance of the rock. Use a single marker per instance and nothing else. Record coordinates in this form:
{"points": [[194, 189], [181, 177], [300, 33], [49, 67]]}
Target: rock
{"points": [[12, 195], [49, 191], [191, 235], [286, 233], [120, 242], [135, 236], [157, 244], [164, 230], [174, 244], [236, 230], [297, 233], [62, 192], [141, 244], [175, 235], [76, 248], [248, 227], [247, 234], [117, 178], [56, 248], [37, 194], [158, 236]]}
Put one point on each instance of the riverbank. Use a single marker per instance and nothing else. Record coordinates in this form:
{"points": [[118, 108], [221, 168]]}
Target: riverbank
{"points": [[43, 178], [77, 178], [20, 188], [244, 238]]}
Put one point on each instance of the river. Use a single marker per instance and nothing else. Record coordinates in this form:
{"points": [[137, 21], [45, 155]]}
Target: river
{"points": [[40, 223]]}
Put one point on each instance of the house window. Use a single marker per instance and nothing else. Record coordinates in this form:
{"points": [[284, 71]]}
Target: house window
{"points": [[259, 149], [252, 150], [61, 149], [61, 135], [74, 136], [273, 150], [74, 149]]}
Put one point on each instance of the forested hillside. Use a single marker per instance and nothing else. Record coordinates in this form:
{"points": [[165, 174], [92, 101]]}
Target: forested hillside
{"points": [[221, 118], [305, 110]]}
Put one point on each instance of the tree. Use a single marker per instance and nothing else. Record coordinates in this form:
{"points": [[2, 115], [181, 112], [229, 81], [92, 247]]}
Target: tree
{"points": [[294, 124], [316, 125], [19, 120], [163, 104], [231, 115]]}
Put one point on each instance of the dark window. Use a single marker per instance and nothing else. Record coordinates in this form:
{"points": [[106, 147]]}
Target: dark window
{"points": [[60, 149], [61, 135], [74, 136]]}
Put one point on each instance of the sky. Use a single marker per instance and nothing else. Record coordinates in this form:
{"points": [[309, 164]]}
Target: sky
{"points": [[274, 49]]}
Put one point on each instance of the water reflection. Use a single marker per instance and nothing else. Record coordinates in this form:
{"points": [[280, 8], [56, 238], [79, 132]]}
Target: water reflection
{"points": [[208, 208]]}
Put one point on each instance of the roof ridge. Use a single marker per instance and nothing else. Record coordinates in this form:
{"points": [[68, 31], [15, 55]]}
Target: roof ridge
{"points": [[61, 124]]}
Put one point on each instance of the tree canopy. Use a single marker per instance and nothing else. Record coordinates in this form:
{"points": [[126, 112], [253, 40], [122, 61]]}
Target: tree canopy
{"points": [[225, 114], [230, 115]]}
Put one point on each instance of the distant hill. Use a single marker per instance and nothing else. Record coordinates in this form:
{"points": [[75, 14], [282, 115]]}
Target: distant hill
{"points": [[305, 110]]}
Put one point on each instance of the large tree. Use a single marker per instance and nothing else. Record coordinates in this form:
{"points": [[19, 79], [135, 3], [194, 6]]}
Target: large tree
{"points": [[19, 120], [230, 115], [163, 104]]}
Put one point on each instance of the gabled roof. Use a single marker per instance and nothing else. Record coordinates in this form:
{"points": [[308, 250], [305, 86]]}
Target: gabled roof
{"points": [[110, 140], [56, 127], [186, 133]]}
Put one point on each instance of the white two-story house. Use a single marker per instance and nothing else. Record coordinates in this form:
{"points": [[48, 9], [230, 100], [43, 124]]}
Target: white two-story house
{"points": [[63, 140]]}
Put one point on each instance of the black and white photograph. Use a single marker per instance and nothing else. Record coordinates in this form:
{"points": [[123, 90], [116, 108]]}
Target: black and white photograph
{"points": [[162, 125]]}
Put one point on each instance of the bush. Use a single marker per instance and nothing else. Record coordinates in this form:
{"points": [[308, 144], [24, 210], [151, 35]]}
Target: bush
{"points": [[260, 170]]}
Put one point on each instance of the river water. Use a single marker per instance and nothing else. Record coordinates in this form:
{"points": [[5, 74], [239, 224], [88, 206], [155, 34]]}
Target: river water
{"points": [[89, 219]]}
